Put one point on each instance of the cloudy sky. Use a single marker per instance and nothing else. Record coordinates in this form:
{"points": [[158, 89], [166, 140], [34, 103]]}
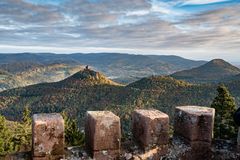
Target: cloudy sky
{"points": [[198, 29]]}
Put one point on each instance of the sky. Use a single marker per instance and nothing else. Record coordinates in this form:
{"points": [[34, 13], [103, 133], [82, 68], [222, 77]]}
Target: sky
{"points": [[196, 29]]}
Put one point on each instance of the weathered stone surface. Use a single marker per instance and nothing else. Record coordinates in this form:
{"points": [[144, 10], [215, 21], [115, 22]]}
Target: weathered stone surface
{"points": [[103, 133], [106, 154], [48, 136], [194, 123], [150, 128]]}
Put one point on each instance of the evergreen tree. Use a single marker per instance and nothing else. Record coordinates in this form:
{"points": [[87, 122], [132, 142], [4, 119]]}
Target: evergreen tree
{"points": [[6, 144], [26, 117], [225, 107], [15, 136], [24, 130], [73, 135]]}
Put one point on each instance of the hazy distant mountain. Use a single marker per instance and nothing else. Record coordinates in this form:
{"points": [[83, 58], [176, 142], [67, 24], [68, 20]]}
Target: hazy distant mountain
{"points": [[214, 71], [123, 68], [19, 76], [7, 81]]}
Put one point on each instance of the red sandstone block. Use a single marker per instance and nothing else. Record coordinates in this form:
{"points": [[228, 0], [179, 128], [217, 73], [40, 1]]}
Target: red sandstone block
{"points": [[103, 133], [150, 127], [48, 136], [194, 123]]}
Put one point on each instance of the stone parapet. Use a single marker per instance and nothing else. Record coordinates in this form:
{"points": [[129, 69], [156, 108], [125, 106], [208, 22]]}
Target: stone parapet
{"points": [[103, 135], [48, 136]]}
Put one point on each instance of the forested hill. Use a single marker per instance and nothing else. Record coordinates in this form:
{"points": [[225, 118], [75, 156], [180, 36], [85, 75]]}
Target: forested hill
{"points": [[90, 90], [216, 70]]}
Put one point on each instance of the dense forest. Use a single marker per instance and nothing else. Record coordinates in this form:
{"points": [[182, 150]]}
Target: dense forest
{"points": [[90, 90]]}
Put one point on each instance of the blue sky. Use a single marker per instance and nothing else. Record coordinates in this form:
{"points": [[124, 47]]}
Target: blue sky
{"points": [[197, 29]]}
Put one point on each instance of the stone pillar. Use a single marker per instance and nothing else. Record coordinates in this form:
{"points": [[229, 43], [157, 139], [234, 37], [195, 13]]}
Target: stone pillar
{"points": [[47, 137], [195, 124], [150, 130], [103, 135]]}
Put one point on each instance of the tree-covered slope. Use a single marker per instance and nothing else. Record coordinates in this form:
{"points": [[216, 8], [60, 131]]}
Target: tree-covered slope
{"points": [[90, 90], [216, 70]]}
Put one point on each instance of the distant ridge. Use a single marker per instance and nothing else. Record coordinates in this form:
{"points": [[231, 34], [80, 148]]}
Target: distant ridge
{"points": [[123, 68], [214, 71]]}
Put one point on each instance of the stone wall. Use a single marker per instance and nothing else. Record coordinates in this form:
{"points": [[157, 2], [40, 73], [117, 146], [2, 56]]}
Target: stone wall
{"points": [[150, 129]]}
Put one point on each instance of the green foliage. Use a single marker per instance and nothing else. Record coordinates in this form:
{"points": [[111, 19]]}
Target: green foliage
{"points": [[6, 144], [80, 93], [26, 116], [225, 107], [73, 135], [15, 136]]}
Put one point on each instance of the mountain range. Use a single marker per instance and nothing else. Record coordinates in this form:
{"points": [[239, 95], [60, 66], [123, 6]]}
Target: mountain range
{"points": [[123, 68]]}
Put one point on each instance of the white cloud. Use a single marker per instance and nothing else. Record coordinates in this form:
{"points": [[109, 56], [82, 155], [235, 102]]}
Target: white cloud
{"points": [[136, 26], [201, 2], [137, 13]]}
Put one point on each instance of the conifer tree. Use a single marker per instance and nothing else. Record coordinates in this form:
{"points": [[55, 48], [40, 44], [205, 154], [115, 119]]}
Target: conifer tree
{"points": [[6, 144], [225, 107], [73, 135], [26, 116]]}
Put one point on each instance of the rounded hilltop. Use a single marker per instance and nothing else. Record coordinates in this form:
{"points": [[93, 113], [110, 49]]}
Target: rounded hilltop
{"points": [[88, 76], [215, 70], [158, 82]]}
